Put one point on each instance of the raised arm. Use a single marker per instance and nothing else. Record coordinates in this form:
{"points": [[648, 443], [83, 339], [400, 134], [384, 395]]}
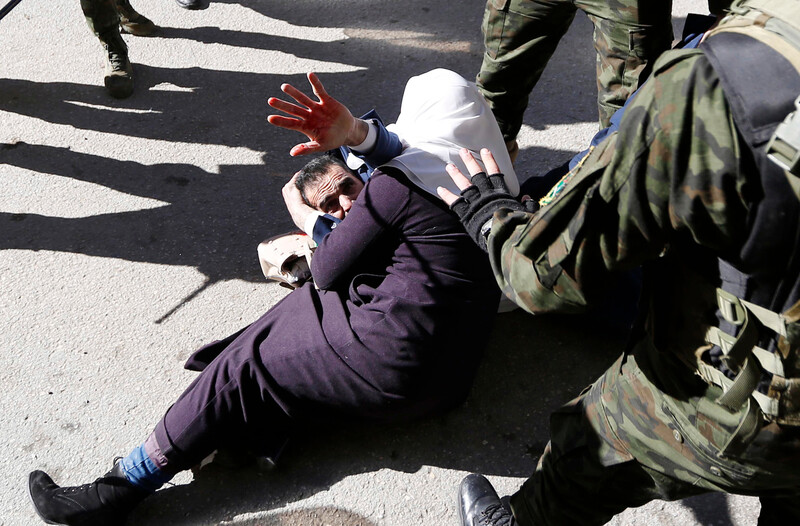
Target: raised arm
{"points": [[326, 122]]}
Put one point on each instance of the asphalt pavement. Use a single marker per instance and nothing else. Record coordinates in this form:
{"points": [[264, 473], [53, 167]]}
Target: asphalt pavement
{"points": [[128, 234]]}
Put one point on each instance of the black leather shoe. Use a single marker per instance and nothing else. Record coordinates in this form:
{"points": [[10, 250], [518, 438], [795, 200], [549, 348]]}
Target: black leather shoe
{"points": [[190, 4], [479, 505], [105, 502]]}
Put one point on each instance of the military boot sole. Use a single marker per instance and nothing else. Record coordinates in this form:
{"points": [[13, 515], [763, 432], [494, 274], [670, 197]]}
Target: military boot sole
{"points": [[119, 83], [118, 86]]}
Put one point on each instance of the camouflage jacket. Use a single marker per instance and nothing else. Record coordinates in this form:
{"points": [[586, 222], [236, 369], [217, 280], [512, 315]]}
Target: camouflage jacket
{"points": [[669, 181]]}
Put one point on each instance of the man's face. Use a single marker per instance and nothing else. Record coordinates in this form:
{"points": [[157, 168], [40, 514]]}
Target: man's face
{"points": [[334, 192]]}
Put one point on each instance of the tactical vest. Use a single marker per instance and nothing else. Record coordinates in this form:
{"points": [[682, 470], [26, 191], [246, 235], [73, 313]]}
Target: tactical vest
{"points": [[756, 53]]}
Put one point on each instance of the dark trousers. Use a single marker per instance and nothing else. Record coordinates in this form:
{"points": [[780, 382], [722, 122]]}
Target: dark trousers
{"points": [[262, 384]]}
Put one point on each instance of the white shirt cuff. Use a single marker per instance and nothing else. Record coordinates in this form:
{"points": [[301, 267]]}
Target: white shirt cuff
{"points": [[311, 220], [368, 143]]}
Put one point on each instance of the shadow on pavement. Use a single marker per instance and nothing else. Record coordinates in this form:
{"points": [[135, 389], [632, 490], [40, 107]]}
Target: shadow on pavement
{"points": [[209, 221], [710, 509]]}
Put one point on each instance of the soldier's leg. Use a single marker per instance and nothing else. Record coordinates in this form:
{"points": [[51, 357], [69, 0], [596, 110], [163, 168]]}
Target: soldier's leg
{"points": [[103, 20], [587, 474], [582, 477], [628, 37], [101, 15], [520, 37]]}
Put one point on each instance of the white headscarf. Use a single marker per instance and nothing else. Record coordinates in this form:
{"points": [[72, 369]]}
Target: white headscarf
{"points": [[440, 114]]}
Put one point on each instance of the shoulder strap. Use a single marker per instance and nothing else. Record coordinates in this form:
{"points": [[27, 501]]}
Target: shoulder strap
{"points": [[787, 11], [760, 84], [762, 80]]}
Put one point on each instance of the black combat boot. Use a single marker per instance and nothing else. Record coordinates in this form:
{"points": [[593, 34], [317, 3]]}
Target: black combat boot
{"points": [[479, 505], [105, 502], [119, 72], [132, 22]]}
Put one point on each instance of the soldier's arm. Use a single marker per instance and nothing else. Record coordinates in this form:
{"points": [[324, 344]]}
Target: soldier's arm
{"points": [[670, 173]]}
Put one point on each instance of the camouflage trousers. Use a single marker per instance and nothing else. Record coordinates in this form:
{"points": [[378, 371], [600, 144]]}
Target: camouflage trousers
{"points": [[520, 36], [101, 15], [624, 442]]}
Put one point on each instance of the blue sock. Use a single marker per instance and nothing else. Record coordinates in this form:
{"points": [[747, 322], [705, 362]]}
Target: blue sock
{"points": [[141, 471]]}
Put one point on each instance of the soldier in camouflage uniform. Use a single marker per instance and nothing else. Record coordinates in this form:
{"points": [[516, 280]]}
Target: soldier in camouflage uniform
{"points": [[521, 35], [707, 395], [106, 18]]}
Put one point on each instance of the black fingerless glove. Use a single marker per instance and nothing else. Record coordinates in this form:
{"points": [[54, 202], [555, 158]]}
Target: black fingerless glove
{"points": [[479, 202]]}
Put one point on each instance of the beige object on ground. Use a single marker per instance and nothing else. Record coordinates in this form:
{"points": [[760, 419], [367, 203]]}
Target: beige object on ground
{"points": [[286, 258]]}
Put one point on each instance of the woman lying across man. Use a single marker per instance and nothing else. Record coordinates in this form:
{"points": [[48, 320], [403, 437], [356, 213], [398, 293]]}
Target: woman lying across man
{"points": [[382, 335]]}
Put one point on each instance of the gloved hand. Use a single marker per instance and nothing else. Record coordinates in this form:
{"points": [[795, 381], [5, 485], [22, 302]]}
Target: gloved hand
{"points": [[478, 203], [481, 197]]}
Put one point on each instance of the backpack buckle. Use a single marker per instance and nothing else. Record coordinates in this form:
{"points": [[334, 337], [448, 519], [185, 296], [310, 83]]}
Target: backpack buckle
{"points": [[783, 147]]}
